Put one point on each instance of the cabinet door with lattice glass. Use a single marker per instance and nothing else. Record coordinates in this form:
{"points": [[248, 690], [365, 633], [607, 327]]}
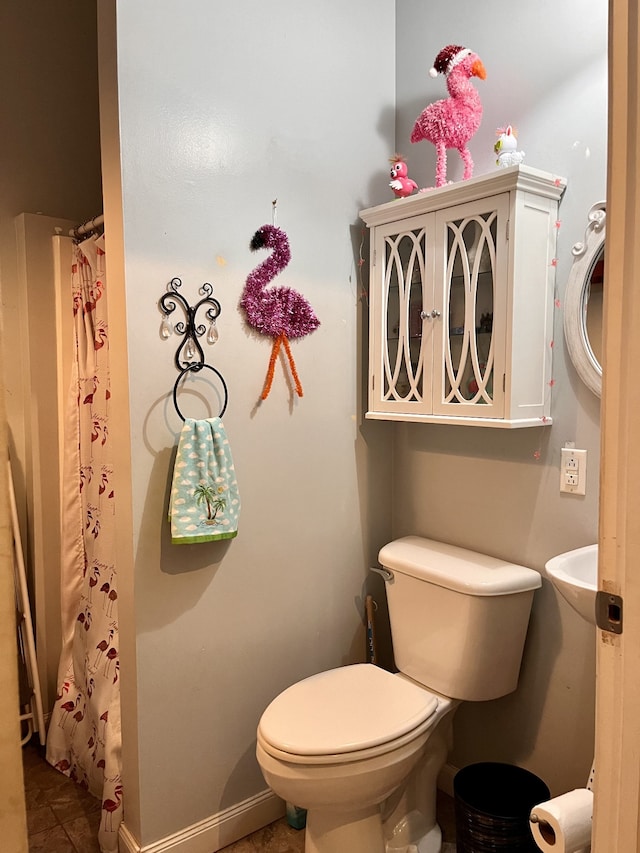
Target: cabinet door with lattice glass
{"points": [[401, 338], [471, 302]]}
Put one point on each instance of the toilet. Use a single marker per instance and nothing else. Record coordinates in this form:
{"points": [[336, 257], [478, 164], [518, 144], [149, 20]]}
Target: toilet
{"points": [[361, 748]]}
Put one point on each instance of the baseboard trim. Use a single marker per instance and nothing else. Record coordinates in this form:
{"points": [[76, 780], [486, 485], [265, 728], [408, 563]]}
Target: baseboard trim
{"points": [[445, 778], [215, 832]]}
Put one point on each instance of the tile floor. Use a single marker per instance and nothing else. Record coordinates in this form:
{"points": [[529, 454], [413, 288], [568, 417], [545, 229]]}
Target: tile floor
{"points": [[278, 837], [63, 818]]}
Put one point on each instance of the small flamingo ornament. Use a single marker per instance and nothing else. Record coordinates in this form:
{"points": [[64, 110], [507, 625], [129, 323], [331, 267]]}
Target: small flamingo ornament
{"points": [[280, 312], [400, 182], [451, 122]]}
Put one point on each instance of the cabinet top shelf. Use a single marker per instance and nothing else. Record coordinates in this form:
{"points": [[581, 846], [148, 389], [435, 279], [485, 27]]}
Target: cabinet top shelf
{"points": [[521, 178]]}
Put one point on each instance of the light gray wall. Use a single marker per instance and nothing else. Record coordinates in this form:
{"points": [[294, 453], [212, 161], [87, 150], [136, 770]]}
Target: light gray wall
{"points": [[222, 109], [486, 489]]}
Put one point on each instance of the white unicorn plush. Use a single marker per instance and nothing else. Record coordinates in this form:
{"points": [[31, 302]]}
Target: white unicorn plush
{"points": [[506, 147]]}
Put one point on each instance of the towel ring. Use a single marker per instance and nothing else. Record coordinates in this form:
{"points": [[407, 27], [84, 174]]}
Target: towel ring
{"points": [[195, 368]]}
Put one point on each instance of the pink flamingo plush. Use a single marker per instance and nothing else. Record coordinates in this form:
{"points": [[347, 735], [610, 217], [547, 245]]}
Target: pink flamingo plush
{"points": [[451, 122], [280, 313]]}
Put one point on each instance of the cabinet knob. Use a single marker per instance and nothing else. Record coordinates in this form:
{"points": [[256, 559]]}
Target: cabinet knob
{"points": [[429, 315]]}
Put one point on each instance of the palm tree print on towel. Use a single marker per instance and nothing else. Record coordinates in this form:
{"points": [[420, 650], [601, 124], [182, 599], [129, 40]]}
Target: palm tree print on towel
{"points": [[212, 497]]}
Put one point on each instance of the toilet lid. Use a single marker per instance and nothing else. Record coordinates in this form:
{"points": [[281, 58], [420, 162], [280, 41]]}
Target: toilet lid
{"points": [[344, 710]]}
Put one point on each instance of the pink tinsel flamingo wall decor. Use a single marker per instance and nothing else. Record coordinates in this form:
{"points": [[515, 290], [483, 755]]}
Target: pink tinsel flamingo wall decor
{"points": [[279, 312], [451, 122]]}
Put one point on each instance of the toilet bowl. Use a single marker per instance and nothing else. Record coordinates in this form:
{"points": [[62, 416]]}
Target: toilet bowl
{"points": [[340, 743], [359, 747]]}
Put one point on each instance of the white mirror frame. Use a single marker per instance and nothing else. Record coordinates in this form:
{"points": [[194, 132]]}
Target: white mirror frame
{"points": [[575, 327]]}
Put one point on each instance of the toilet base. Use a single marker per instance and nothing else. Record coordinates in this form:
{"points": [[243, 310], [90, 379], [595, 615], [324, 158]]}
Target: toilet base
{"points": [[414, 836], [409, 815], [329, 831]]}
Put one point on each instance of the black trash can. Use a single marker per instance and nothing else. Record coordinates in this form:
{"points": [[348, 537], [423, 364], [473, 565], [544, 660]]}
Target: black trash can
{"points": [[492, 806]]}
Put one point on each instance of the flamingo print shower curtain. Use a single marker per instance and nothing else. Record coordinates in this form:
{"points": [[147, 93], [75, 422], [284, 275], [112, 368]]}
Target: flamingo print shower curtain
{"points": [[83, 739]]}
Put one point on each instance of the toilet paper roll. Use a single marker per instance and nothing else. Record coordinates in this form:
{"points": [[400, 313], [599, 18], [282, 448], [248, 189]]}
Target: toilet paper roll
{"points": [[563, 824]]}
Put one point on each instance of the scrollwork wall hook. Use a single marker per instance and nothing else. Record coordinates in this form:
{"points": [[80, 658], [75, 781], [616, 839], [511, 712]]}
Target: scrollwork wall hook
{"points": [[189, 353]]}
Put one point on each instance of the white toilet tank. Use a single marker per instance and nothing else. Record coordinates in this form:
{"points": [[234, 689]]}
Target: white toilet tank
{"points": [[458, 619]]}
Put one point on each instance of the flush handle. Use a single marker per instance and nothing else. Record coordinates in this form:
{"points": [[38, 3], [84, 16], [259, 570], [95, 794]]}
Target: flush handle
{"points": [[385, 573]]}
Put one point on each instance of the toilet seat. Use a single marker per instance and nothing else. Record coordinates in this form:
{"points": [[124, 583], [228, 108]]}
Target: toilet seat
{"points": [[346, 713]]}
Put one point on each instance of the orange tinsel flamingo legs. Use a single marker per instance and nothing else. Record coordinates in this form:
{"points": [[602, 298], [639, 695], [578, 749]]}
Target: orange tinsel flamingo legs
{"points": [[281, 340]]}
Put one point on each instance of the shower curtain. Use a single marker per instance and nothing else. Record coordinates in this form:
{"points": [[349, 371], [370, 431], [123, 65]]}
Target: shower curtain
{"points": [[83, 740]]}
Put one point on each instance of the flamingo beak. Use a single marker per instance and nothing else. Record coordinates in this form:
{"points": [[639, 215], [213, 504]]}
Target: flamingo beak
{"points": [[478, 70]]}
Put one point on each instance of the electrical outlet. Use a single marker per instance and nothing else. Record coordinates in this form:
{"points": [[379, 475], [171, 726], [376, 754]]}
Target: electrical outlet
{"points": [[573, 471]]}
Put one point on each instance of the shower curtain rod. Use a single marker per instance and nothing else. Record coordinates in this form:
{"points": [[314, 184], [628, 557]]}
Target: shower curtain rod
{"points": [[87, 227]]}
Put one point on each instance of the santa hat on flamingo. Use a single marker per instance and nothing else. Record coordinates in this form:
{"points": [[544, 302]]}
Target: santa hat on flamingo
{"points": [[448, 58]]}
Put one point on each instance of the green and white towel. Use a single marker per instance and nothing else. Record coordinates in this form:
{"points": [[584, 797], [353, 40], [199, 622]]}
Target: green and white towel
{"points": [[205, 502]]}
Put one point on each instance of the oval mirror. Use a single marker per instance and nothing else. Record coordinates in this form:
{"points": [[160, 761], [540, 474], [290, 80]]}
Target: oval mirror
{"points": [[583, 301]]}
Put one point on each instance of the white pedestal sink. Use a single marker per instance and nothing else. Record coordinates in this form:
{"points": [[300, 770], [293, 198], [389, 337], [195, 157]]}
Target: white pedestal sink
{"points": [[575, 576]]}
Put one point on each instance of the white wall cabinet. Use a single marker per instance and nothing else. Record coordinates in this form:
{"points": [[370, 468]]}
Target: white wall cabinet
{"points": [[462, 299]]}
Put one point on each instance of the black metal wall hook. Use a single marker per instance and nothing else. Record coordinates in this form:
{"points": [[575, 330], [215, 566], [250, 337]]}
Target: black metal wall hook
{"points": [[189, 356], [189, 350]]}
